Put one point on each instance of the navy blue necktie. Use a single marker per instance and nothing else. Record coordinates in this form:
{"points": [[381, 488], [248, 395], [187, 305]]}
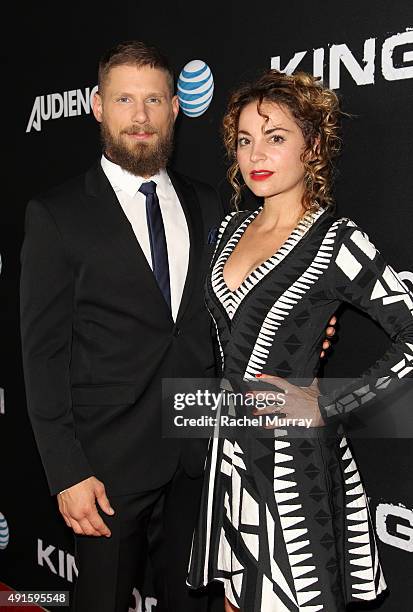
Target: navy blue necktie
{"points": [[159, 251]]}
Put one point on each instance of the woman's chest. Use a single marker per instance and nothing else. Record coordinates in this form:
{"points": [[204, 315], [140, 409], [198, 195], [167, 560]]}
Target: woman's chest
{"points": [[254, 248]]}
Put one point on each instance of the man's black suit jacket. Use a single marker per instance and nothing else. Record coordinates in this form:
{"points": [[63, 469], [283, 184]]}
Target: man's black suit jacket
{"points": [[98, 337]]}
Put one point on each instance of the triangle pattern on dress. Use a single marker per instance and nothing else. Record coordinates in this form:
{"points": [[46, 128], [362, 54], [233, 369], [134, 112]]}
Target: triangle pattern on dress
{"points": [[305, 596], [301, 570], [284, 509], [282, 457], [269, 599], [293, 534], [289, 521], [302, 583], [360, 502], [294, 546], [295, 559], [280, 498], [366, 574], [378, 291], [280, 485]]}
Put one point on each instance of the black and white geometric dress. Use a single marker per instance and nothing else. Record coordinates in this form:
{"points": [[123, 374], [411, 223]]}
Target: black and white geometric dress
{"points": [[284, 520]]}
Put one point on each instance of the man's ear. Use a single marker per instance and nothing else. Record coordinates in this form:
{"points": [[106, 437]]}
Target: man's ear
{"points": [[175, 106], [97, 106]]}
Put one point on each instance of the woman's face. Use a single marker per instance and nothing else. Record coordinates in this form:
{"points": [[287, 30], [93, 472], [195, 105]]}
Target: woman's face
{"points": [[269, 152]]}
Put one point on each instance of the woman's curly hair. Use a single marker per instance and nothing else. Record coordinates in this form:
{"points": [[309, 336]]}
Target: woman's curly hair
{"points": [[316, 111]]}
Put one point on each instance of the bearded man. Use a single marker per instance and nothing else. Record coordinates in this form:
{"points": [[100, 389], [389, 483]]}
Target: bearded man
{"points": [[113, 265]]}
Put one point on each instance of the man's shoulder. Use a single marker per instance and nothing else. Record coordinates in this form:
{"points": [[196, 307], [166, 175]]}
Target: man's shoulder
{"points": [[63, 191], [201, 186], [207, 196], [63, 201]]}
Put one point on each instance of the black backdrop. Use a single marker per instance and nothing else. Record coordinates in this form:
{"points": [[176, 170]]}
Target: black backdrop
{"points": [[55, 47]]}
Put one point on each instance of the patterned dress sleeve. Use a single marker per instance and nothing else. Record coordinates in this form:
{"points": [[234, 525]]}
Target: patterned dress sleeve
{"points": [[359, 276]]}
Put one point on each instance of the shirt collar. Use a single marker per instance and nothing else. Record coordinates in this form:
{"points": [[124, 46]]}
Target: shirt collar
{"points": [[122, 180]]}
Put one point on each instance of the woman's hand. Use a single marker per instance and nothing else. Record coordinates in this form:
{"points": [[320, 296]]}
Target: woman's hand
{"points": [[300, 402]]}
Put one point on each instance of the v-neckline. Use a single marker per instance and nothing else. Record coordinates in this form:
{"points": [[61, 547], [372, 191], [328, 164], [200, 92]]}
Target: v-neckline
{"points": [[300, 228], [232, 299]]}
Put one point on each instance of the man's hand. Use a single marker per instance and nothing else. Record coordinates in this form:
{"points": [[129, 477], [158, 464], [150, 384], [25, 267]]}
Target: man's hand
{"points": [[77, 505], [330, 331]]}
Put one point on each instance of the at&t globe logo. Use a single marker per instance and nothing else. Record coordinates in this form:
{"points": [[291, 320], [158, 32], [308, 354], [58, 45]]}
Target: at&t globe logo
{"points": [[195, 88], [4, 532]]}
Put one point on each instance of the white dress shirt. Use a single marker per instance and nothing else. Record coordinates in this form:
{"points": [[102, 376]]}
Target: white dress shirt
{"points": [[133, 203]]}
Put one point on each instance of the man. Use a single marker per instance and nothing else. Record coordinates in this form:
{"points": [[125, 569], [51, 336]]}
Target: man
{"points": [[113, 266], [101, 327]]}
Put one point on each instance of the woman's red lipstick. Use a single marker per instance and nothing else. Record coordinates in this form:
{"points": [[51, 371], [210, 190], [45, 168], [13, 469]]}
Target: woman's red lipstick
{"points": [[260, 175]]}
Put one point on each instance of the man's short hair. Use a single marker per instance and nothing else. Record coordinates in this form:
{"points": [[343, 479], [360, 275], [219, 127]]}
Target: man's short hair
{"points": [[134, 53]]}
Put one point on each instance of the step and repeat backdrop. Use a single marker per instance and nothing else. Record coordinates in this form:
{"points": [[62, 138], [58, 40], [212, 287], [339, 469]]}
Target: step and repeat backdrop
{"points": [[363, 50]]}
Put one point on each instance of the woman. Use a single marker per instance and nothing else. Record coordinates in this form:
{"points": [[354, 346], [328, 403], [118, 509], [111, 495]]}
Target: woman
{"points": [[284, 520]]}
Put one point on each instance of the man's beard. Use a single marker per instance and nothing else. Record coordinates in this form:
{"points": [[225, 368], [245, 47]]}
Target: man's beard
{"points": [[140, 159]]}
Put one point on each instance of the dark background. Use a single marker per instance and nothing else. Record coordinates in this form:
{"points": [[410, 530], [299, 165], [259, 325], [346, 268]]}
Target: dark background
{"points": [[55, 47]]}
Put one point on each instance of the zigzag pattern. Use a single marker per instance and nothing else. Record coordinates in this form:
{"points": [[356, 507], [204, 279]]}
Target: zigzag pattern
{"points": [[222, 228], [219, 286], [286, 302], [296, 539], [367, 577], [231, 300]]}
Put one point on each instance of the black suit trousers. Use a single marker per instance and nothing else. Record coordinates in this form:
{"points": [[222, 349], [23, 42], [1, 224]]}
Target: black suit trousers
{"points": [[157, 524]]}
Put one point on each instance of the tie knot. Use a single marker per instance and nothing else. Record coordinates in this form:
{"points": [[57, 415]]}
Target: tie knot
{"points": [[148, 188]]}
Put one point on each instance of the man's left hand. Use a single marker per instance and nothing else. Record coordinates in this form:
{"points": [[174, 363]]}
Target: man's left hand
{"points": [[330, 331]]}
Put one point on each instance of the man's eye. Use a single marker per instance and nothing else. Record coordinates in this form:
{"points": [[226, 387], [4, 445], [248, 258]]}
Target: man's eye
{"points": [[123, 99], [153, 100]]}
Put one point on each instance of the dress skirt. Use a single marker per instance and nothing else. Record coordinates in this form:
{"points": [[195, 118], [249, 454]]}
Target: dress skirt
{"points": [[285, 525]]}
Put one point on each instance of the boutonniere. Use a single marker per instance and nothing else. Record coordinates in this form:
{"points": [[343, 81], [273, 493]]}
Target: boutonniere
{"points": [[213, 235]]}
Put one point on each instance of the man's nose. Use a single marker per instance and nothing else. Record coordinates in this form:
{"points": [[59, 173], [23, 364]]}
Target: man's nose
{"points": [[140, 113]]}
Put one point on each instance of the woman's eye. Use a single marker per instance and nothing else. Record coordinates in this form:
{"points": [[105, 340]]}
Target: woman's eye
{"points": [[277, 139], [243, 141]]}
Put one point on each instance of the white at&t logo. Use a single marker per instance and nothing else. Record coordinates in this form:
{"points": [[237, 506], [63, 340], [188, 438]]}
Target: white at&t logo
{"points": [[363, 72], [195, 88], [394, 526], [56, 105], [4, 532]]}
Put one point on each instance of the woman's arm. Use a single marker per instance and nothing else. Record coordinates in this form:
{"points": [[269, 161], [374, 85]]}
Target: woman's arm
{"points": [[359, 275]]}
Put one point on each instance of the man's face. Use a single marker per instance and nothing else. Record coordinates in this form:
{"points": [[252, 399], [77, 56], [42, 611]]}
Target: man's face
{"points": [[137, 113]]}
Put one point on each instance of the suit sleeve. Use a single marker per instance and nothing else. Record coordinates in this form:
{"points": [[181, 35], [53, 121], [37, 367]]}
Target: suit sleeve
{"points": [[46, 312], [359, 276]]}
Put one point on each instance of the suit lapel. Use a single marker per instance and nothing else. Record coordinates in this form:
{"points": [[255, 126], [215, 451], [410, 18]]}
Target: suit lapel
{"points": [[189, 202], [120, 237]]}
